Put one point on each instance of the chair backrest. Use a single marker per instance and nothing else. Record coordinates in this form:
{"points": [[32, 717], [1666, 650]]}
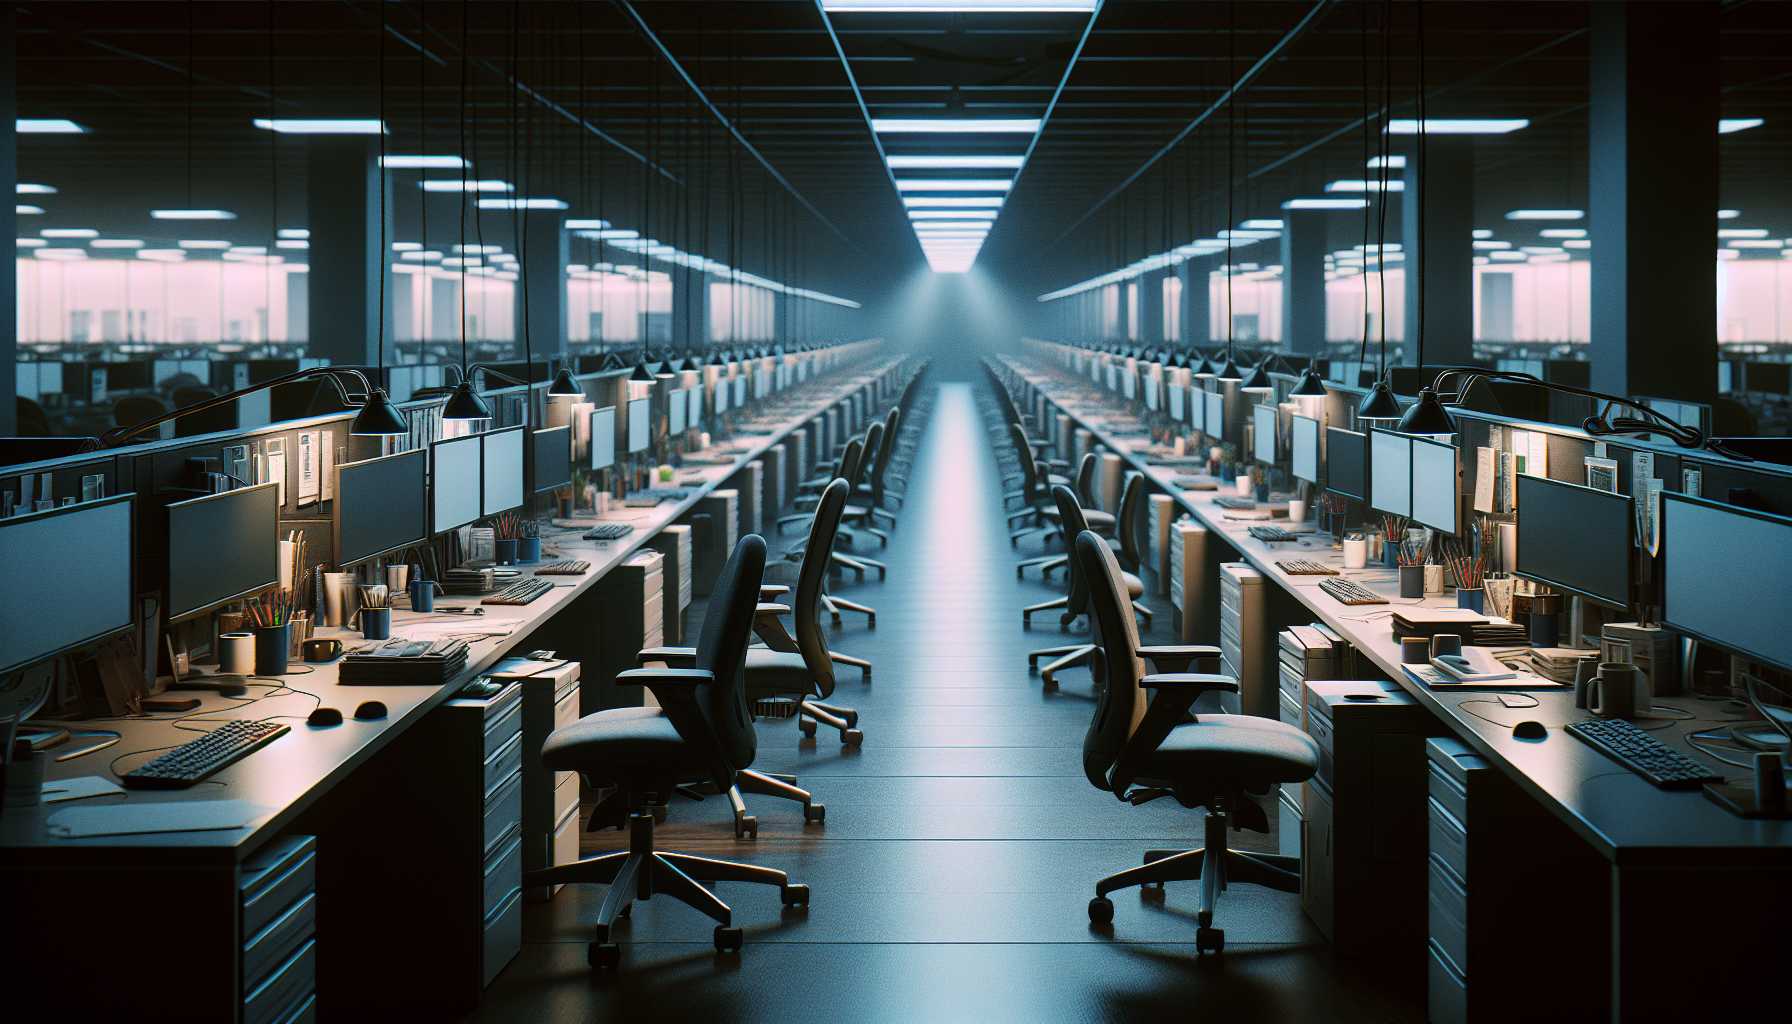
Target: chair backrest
{"points": [[891, 424], [1127, 519], [1029, 469], [874, 437], [850, 457], [1085, 480], [722, 649], [1071, 521], [134, 409], [812, 579], [1119, 706]]}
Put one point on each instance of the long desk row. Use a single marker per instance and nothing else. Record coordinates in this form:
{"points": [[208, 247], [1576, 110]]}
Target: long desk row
{"points": [[1653, 840], [160, 901]]}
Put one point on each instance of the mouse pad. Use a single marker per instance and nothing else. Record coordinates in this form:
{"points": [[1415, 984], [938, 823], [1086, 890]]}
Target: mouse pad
{"points": [[139, 819]]}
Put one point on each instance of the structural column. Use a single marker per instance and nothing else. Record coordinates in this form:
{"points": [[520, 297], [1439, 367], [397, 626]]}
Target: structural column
{"points": [[343, 204], [690, 309], [1303, 281], [1151, 308], [1439, 250], [541, 257], [9, 281], [1652, 197], [1197, 318]]}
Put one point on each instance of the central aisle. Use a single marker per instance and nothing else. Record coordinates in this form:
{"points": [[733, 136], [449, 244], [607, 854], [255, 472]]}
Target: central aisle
{"points": [[962, 842]]}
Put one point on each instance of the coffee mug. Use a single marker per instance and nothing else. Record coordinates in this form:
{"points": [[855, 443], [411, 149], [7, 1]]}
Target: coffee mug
{"points": [[1356, 552], [1613, 692], [1445, 643], [320, 648], [1413, 651], [1297, 510], [236, 653]]}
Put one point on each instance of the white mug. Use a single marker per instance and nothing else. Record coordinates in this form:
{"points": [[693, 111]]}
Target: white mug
{"points": [[1181, 447], [1434, 580], [1244, 486], [1297, 510], [1356, 552]]}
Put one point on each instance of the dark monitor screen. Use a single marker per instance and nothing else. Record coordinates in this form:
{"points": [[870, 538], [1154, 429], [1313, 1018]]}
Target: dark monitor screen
{"points": [[1724, 571], [128, 376], [1346, 458], [503, 470], [1575, 538], [380, 505], [69, 580], [222, 547], [552, 462], [453, 483]]}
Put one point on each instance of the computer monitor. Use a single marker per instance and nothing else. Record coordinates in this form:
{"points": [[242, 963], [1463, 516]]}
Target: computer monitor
{"points": [[1306, 448], [1152, 392], [1346, 463], [1390, 472], [381, 506], [1724, 571], [640, 424], [694, 417], [723, 389], [69, 579], [1436, 494], [740, 390], [502, 473], [1129, 384], [165, 371], [762, 383], [677, 408], [1575, 538], [222, 547], [1178, 402], [1197, 410], [1216, 415], [1263, 433], [551, 465], [453, 483], [603, 437]]}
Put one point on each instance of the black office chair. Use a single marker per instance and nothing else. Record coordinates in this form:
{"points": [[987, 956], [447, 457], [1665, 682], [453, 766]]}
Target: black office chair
{"points": [[134, 409], [702, 728], [1140, 751], [874, 492], [1075, 601]]}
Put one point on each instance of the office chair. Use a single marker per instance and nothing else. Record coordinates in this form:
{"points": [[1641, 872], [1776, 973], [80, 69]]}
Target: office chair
{"points": [[1093, 518], [1140, 751], [874, 491], [1075, 601], [134, 409], [850, 458], [1125, 541], [702, 728], [1035, 492], [803, 665]]}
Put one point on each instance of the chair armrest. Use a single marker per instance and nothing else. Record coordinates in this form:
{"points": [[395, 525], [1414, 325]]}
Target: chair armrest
{"points": [[677, 691], [772, 591], [769, 627], [1196, 683], [1179, 657], [1173, 695], [674, 657], [671, 680]]}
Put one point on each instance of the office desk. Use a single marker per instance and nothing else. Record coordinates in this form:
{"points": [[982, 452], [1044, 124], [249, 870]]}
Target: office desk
{"points": [[1653, 839], [167, 888]]}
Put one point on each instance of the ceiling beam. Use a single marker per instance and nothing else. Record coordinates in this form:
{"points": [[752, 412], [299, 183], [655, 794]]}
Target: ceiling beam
{"points": [[858, 97]]}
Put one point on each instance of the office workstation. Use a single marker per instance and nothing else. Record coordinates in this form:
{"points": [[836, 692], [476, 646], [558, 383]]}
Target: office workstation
{"points": [[987, 511]]}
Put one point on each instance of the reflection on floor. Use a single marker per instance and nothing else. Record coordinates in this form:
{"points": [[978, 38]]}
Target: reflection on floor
{"points": [[962, 843]]}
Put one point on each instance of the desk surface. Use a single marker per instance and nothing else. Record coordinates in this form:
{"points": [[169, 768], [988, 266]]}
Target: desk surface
{"points": [[1624, 817], [287, 776]]}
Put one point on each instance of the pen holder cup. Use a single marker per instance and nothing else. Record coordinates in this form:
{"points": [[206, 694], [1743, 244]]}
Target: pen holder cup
{"points": [[301, 632], [504, 551], [272, 644], [376, 623], [528, 549], [423, 595], [1412, 581], [1471, 598], [1390, 556], [236, 653]]}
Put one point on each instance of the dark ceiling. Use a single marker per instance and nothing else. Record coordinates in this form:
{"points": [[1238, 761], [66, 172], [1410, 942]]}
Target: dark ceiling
{"points": [[601, 109]]}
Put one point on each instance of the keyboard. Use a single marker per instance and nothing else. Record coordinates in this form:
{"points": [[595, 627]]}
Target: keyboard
{"points": [[1195, 483], [1273, 534], [1346, 591], [194, 761], [569, 567], [521, 592], [1663, 766], [608, 531], [1304, 567], [1234, 502]]}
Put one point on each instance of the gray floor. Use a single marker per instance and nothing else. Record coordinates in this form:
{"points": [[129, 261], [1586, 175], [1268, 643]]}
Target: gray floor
{"points": [[962, 842]]}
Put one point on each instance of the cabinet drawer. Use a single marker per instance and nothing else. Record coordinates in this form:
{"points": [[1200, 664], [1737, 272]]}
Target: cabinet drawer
{"points": [[304, 1013], [566, 793], [564, 844], [286, 986], [1447, 907], [1448, 840], [503, 937], [269, 947], [503, 812], [506, 722], [1447, 792], [276, 878], [1446, 992], [503, 874], [503, 764], [1290, 709]]}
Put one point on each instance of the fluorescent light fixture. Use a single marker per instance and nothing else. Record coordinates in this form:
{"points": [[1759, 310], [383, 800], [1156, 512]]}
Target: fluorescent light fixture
{"points": [[1395, 162], [1551, 257], [964, 125], [957, 223], [1577, 243], [958, 6], [1364, 185], [1732, 125], [259, 258], [586, 224], [1742, 232], [1757, 243], [117, 243], [922, 202], [203, 243], [952, 214], [478, 250], [1729, 254], [191, 215], [1540, 250], [69, 233], [291, 243], [162, 255], [471, 185], [1572, 233], [1254, 234], [61, 254], [423, 256], [1489, 245], [321, 125], [424, 163], [1728, 214], [1479, 261], [26, 210], [1481, 233], [1545, 214], [293, 233], [25, 188], [1324, 203], [462, 261], [1458, 125], [530, 203], [30, 243], [953, 184], [1262, 224], [47, 126], [249, 250], [1508, 257], [406, 246], [909, 163]]}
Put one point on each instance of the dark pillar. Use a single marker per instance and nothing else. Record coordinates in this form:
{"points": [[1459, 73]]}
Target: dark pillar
{"points": [[9, 280], [1652, 189], [1445, 267], [1303, 281], [542, 255], [1196, 315], [343, 206], [1151, 308], [690, 309]]}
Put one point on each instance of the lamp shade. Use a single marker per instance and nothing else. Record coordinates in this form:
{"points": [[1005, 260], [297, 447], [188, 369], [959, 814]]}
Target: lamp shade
{"points": [[642, 374], [1257, 381], [565, 387], [379, 418], [1379, 404], [1230, 371], [465, 404], [1309, 385], [1427, 416]]}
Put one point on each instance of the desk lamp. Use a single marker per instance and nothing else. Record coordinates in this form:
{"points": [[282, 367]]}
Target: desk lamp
{"points": [[377, 416], [1600, 424]]}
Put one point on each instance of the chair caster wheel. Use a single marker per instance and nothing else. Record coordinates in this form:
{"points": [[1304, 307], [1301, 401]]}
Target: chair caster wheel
{"points": [[837, 619], [603, 956], [794, 895], [807, 727], [729, 940], [746, 827], [816, 813], [1210, 940], [1101, 910], [852, 719], [870, 622], [852, 737]]}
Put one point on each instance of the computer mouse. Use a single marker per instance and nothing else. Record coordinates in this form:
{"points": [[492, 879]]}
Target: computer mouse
{"points": [[1530, 731], [370, 710], [324, 716]]}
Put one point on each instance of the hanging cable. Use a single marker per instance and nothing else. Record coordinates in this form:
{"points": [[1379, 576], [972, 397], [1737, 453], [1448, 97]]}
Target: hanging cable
{"points": [[380, 169]]}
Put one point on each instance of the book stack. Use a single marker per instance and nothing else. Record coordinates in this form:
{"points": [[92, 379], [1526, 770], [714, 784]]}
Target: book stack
{"points": [[1557, 664]]}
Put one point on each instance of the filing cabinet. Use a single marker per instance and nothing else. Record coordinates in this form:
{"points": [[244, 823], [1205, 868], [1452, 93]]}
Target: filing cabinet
{"points": [[1246, 646], [1304, 653], [674, 545], [1160, 513], [277, 887], [715, 518], [550, 701], [1192, 595]]}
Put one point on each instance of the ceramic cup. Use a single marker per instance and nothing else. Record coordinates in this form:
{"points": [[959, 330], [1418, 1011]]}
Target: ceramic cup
{"points": [[1356, 552]]}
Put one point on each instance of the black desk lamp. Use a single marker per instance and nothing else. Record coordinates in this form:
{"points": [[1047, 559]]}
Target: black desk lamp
{"points": [[1602, 424], [377, 416]]}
